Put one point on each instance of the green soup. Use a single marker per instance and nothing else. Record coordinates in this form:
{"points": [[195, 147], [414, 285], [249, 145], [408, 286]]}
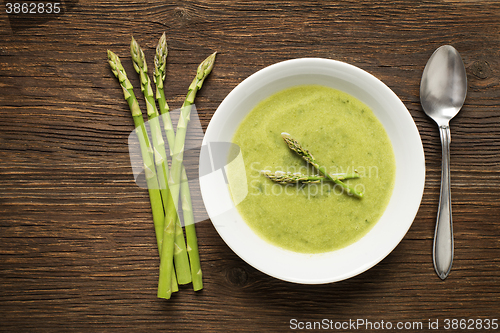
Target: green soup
{"points": [[343, 135]]}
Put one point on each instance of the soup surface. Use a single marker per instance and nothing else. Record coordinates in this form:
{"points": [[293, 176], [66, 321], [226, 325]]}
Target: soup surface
{"points": [[343, 135]]}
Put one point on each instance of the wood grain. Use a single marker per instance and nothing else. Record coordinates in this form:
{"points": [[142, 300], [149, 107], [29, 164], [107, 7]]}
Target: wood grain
{"points": [[77, 249]]}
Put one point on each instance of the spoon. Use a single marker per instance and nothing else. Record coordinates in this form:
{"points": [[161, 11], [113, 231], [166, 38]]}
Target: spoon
{"points": [[442, 94]]}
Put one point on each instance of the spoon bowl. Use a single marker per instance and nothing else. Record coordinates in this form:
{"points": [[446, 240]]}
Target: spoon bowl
{"points": [[443, 89], [444, 85]]}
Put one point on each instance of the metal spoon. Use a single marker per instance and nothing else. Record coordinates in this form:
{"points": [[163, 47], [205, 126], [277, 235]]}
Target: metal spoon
{"points": [[442, 94]]}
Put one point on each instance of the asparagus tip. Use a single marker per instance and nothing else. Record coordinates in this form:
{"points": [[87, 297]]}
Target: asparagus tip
{"points": [[137, 55], [160, 61], [133, 45], [111, 55], [206, 66], [161, 48]]}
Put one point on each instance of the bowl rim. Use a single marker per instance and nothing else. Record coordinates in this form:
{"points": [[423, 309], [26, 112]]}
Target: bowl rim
{"points": [[265, 74]]}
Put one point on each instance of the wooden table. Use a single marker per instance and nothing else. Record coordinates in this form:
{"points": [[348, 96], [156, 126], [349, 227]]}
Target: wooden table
{"points": [[77, 249]]}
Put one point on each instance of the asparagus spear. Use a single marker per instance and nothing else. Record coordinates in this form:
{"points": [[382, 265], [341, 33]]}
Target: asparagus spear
{"points": [[140, 66], [203, 71], [146, 150], [191, 239], [291, 178], [309, 158]]}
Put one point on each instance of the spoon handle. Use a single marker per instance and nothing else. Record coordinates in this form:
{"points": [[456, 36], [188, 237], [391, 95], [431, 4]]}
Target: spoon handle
{"points": [[443, 237]]}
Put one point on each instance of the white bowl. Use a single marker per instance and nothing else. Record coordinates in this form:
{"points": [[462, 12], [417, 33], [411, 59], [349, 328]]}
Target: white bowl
{"points": [[399, 214]]}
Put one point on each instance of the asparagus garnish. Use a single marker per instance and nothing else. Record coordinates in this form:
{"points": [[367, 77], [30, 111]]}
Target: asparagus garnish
{"points": [[191, 239], [203, 71], [180, 255], [309, 158], [146, 150], [281, 177]]}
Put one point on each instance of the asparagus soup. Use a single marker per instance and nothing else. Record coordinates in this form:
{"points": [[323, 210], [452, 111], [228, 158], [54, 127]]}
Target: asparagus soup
{"points": [[345, 137]]}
